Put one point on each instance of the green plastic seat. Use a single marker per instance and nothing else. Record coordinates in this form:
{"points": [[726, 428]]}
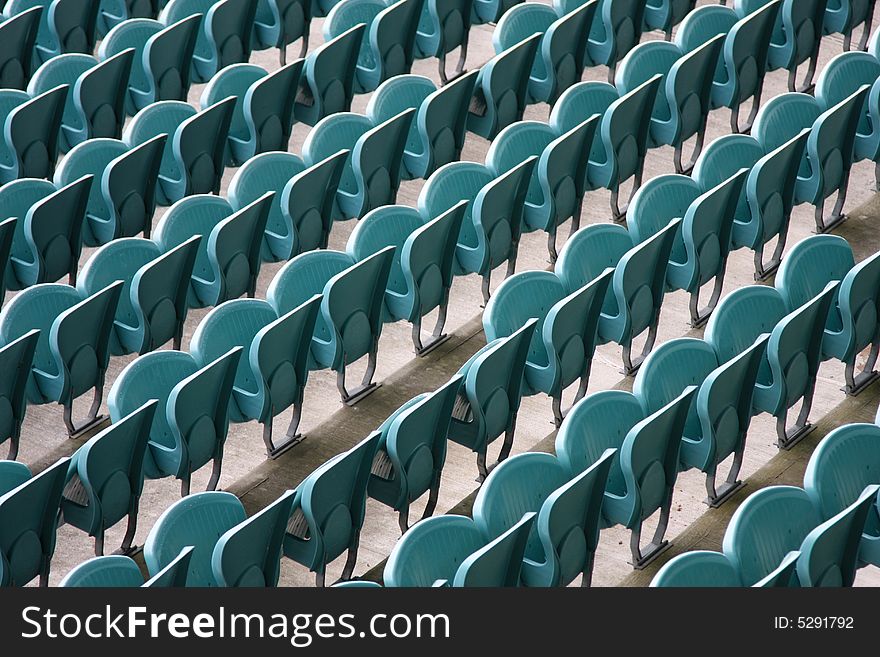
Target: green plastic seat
{"points": [[300, 216], [844, 16], [350, 322], [564, 340], [16, 359], [489, 401], [444, 26], [30, 135], [272, 377], [28, 518], [106, 477], [111, 571], [73, 348], [278, 23], [328, 511], [18, 34], [162, 61], [421, 270], [703, 568], [65, 25], [666, 14], [411, 452], [228, 261]]}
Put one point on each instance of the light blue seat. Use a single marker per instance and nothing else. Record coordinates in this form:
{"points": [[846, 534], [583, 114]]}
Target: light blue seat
{"points": [[560, 59], [388, 44], [666, 14], [699, 252], [175, 574], [684, 100], [28, 518], [502, 84], [437, 132], [12, 475], [357, 584], [106, 477], [721, 412], [301, 214], [489, 400], [844, 16], [565, 338], [828, 156], [153, 302], [189, 428], [224, 36], [16, 359], [421, 270], [788, 372], [847, 461], [94, 106], [327, 81], [620, 143], [563, 540], [194, 156], [492, 223], [113, 12], [162, 61], [31, 127], [644, 469], [635, 295], [228, 260], [64, 26], [704, 568], [411, 452], [490, 11], [372, 171], [73, 349], [328, 511], [47, 240], [558, 181], [272, 374], [18, 34], [451, 550], [444, 26], [122, 196], [852, 324], [111, 571], [278, 23], [263, 115], [350, 322]]}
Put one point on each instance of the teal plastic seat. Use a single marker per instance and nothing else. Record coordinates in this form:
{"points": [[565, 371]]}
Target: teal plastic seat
{"points": [[565, 338], [106, 477], [122, 197], [421, 270], [73, 349], [372, 171], [501, 90], [845, 463], [492, 224], [638, 285], [684, 100], [263, 115], [18, 34], [644, 469], [699, 252], [666, 14], [561, 56], [437, 132], [620, 143], [95, 101], [47, 241], [788, 373], [111, 571], [488, 402], [388, 44], [228, 261], [350, 322], [224, 35], [113, 12], [411, 452], [490, 11], [162, 61], [558, 182], [189, 428], [194, 156], [30, 134], [327, 82], [444, 26], [272, 374], [563, 540], [704, 568], [278, 23], [16, 359], [844, 16], [301, 214], [175, 574], [153, 304], [328, 511], [28, 518], [739, 74], [12, 475], [65, 25], [452, 550], [721, 412]]}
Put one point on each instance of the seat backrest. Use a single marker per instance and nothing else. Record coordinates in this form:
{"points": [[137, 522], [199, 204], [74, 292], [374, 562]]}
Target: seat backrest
{"points": [[741, 317], [624, 131], [228, 25], [32, 130], [109, 571], [843, 76], [132, 33], [327, 85], [783, 117], [341, 131], [698, 568], [199, 146], [175, 574], [689, 86], [268, 107], [167, 59], [234, 248], [377, 159], [18, 33], [657, 202], [589, 252], [308, 199], [722, 158], [499, 562], [583, 100], [99, 94], [16, 359], [392, 38], [704, 23], [12, 475], [832, 140], [747, 48], [859, 302], [810, 265], [641, 64]]}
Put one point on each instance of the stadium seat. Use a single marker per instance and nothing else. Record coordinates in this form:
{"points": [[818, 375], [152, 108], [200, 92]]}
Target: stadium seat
{"points": [[278, 23], [31, 128], [16, 359], [12, 475], [65, 25], [18, 34], [665, 14], [844, 16], [175, 574], [490, 11], [111, 571], [113, 12], [704, 568], [444, 26]]}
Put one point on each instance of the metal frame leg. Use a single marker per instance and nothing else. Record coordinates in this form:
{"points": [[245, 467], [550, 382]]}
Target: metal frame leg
{"points": [[698, 148], [652, 550], [837, 215], [630, 366], [558, 413], [618, 214], [612, 70], [756, 105], [788, 438], [291, 437], [350, 398], [351, 560], [459, 67], [855, 383], [99, 542], [131, 528], [185, 482], [551, 244], [762, 271], [587, 576], [319, 577], [576, 217], [14, 443], [91, 419], [433, 496], [487, 281], [482, 470], [438, 337], [807, 86], [866, 29], [700, 317], [403, 519], [215, 472], [715, 497], [45, 567]]}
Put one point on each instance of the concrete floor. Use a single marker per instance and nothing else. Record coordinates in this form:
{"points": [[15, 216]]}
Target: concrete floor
{"points": [[332, 428]]}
